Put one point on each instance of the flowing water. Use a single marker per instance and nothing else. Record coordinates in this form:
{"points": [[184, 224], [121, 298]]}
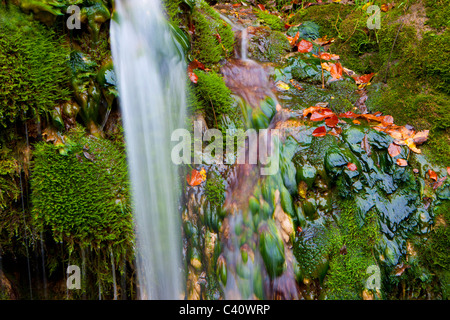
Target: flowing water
{"points": [[151, 82]]}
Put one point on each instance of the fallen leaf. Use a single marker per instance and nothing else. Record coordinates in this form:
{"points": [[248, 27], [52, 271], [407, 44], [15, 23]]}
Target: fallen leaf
{"points": [[364, 78], [313, 109], [304, 46], [351, 166], [412, 146], [402, 162], [195, 64], [332, 121], [432, 175], [235, 5], [319, 132], [293, 40], [448, 171], [394, 150], [196, 177], [261, 7], [323, 41], [348, 114], [387, 6], [335, 131], [335, 69], [416, 170], [343, 250], [421, 136], [282, 86], [365, 145], [439, 182], [356, 121], [322, 115]]}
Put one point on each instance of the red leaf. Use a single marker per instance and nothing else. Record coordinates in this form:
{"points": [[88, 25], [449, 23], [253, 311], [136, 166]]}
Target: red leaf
{"points": [[195, 178], [325, 56], [332, 121], [351, 166], [235, 5], [304, 46], [191, 67], [319, 132], [402, 162], [448, 171], [432, 175], [394, 150], [260, 6]]}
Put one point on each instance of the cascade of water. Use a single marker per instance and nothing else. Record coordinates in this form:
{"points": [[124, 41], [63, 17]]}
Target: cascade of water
{"points": [[151, 82]]}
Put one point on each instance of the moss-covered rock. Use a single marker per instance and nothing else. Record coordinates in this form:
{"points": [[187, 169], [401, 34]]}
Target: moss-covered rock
{"points": [[33, 77]]}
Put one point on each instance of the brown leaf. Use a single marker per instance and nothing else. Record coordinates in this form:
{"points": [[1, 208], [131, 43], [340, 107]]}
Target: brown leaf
{"points": [[439, 182], [402, 162], [394, 150], [400, 268], [335, 131], [365, 145], [364, 78]]}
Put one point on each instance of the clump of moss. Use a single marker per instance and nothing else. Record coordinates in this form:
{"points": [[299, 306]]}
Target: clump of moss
{"points": [[213, 39], [213, 98], [215, 189], [33, 77], [352, 253], [438, 12], [271, 20], [81, 195], [268, 46]]}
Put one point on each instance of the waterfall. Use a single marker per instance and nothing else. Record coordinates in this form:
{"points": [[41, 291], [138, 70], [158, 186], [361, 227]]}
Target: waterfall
{"points": [[151, 82]]}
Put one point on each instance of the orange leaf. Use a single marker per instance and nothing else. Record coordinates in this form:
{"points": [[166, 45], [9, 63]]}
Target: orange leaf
{"points": [[235, 5], [260, 6], [313, 109], [351, 166], [332, 121], [364, 78], [356, 122], [293, 41], [448, 171], [402, 162], [304, 46], [394, 150], [195, 178], [348, 114], [296, 84], [387, 120], [320, 116], [335, 69], [432, 175], [192, 76], [319, 132], [325, 56]]}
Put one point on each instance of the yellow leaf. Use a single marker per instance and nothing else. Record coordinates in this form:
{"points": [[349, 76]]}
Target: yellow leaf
{"points": [[364, 8], [281, 86]]}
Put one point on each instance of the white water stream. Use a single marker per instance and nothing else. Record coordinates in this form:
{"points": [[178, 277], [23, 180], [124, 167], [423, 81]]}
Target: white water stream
{"points": [[151, 81]]}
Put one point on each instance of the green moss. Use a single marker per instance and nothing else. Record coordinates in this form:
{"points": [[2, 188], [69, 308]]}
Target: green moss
{"points": [[438, 12], [213, 98], [271, 20], [215, 189], [268, 46], [347, 274], [213, 39], [33, 76], [82, 197]]}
